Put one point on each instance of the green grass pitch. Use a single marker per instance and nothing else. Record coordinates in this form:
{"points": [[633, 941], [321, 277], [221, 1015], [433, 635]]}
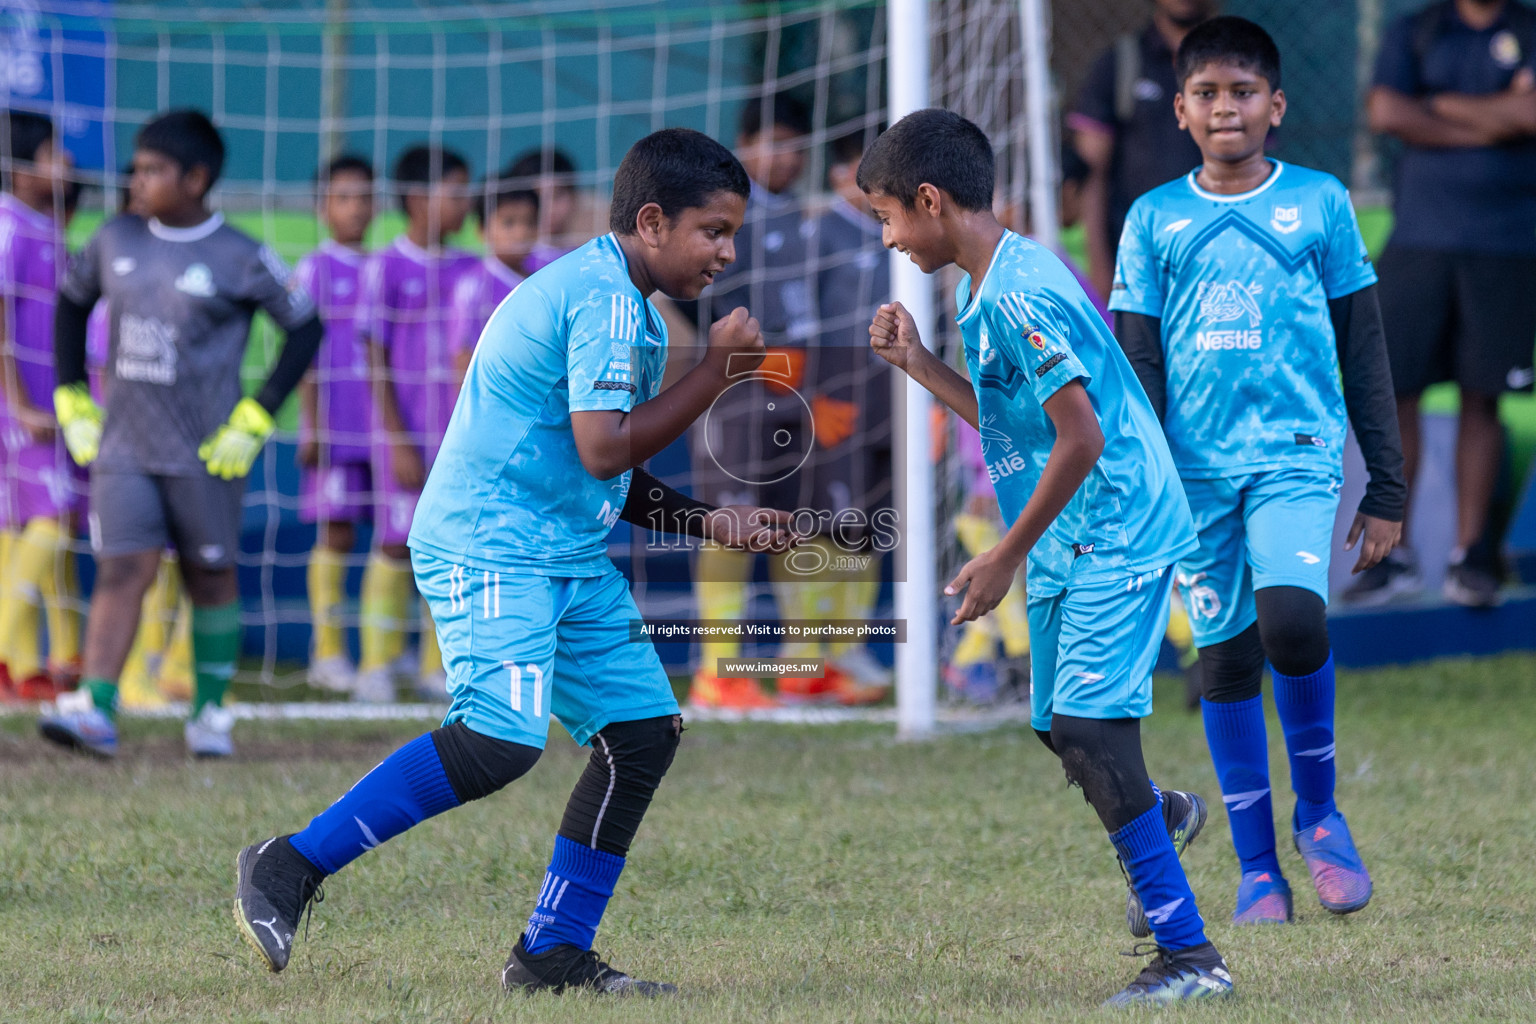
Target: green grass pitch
{"points": [[792, 874]]}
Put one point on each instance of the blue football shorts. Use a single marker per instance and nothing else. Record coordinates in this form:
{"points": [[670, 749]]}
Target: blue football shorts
{"points": [[1267, 529], [1092, 648], [519, 648]]}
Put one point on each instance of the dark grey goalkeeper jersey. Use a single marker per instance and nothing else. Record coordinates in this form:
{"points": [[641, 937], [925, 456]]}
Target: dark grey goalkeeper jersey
{"points": [[181, 302]]}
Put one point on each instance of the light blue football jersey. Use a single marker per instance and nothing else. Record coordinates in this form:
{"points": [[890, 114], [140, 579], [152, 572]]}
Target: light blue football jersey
{"points": [[1029, 332], [1242, 284], [508, 490]]}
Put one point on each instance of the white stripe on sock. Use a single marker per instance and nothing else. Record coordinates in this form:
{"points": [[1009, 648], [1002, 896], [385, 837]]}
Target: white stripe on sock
{"points": [[556, 905]]}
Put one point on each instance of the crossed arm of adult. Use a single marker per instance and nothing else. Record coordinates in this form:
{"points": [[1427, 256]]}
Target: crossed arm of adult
{"points": [[611, 441], [1454, 120], [1096, 148], [1079, 443]]}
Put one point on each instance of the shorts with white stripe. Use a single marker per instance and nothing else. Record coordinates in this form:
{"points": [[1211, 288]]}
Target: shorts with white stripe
{"points": [[1092, 648], [520, 648]]}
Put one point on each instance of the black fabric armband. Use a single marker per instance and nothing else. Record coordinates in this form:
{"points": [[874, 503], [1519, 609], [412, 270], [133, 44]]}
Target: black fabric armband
{"points": [[1370, 400], [69, 326], [292, 363], [1141, 338], [662, 509]]}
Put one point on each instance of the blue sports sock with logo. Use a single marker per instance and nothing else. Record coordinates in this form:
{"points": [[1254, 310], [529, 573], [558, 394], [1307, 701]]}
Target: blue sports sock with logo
{"points": [[1240, 753], [1305, 704], [408, 787], [575, 893], [1149, 858]]}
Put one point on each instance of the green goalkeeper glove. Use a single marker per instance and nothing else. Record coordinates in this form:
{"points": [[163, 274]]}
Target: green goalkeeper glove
{"points": [[230, 450], [80, 419]]}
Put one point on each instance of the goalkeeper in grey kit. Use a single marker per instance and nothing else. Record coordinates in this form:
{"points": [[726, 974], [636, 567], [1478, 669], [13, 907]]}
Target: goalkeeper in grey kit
{"points": [[170, 452]]}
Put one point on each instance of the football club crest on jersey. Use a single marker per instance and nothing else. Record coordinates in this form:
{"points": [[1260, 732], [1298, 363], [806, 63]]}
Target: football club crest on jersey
{"points": [[1285, 219], [1035, 338], [1504, 48], [196, 280]]}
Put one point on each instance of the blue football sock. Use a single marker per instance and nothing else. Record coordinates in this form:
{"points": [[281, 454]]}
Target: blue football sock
{"points": [[1240, 753], [408, 786], [575, 893], [1305, 704], [1147, 853]]}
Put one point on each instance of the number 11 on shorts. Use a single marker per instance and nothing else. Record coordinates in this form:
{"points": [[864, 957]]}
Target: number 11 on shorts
{"points": [[536, 673]]}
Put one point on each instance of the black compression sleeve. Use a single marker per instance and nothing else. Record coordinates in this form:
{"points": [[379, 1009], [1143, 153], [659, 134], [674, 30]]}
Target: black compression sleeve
{"points": [[292, 363], [69, 321], [1370, 400], [1141, 337], [661, 509]]}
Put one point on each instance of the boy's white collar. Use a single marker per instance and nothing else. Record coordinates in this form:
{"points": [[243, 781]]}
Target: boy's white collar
{"points": [[1274, 176], [190, 234]]}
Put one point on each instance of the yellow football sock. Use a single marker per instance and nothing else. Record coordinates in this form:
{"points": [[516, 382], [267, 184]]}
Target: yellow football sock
{"points": [[386, 601], [854, 594], [177, 673], [811, 597], [1179, 634], [59, 586], [25, 563], [978, 643], [327, 581], [720, 589], [431, 654]]}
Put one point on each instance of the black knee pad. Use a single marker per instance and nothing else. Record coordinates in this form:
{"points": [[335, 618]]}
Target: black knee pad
{"points": [[1293, 623], [1233, 669], [627, 764], [478, 765], [1103, 756]]}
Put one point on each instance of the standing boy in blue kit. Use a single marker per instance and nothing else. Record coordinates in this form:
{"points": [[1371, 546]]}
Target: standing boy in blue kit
{"points": [[539, 461], [1243, 292], [1084, 477]]}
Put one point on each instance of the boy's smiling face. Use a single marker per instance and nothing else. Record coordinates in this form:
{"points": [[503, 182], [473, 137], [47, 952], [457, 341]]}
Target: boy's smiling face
{"points": [[687, 252], [1228, 110], [916, 231]]}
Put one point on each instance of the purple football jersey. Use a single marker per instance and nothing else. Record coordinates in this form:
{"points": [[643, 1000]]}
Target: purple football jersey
{"points": [[333, 276], [31, 251], [475, 298], [406, 293]]}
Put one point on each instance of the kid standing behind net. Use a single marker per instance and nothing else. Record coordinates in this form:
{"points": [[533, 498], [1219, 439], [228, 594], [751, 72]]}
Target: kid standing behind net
{"points": [[406, 291], [44, 489], [1084, 477], [1242, 291], [169, 457], [337, 480], [560, 405], [509, 228]]}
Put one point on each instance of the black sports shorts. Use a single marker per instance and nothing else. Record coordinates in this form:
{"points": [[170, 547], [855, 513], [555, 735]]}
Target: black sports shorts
{"points": [[1467, 317]]}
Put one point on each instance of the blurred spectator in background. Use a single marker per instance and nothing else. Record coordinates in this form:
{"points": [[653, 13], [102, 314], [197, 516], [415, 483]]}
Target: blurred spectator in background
{"points": [[337, 412], [1124, 128], [729, 445], [551, 174], [1454, 82], [509, 228], [44, 491]]}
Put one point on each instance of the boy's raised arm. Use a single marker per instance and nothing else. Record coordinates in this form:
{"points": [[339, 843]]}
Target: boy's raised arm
{"points": [[610, 441], [893, 336], [1079, 443]]}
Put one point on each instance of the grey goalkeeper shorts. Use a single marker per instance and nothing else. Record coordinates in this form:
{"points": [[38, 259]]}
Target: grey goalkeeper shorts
{"points": [[199, 515]]}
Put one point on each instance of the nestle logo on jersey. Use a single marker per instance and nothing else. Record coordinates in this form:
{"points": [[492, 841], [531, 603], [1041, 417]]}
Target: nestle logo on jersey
{"points": [[1219, 341], [1006, 466]]}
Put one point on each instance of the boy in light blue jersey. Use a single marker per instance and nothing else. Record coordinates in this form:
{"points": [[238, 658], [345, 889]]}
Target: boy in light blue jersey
{"points": [[1083, 475], [558, 408], [1242, 291]]}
